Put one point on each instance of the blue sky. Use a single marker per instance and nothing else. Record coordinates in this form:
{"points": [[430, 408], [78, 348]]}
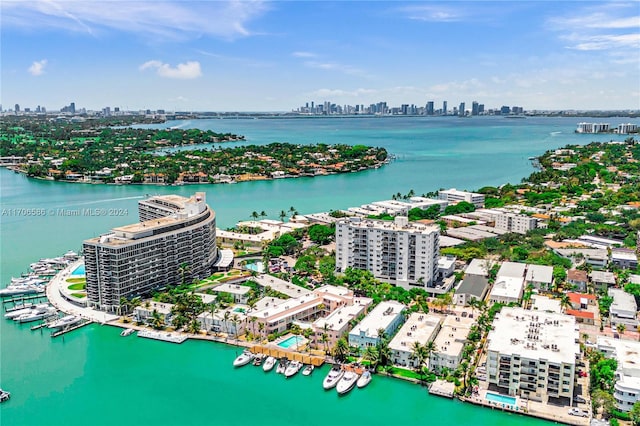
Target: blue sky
{"points": [[275, 56]]}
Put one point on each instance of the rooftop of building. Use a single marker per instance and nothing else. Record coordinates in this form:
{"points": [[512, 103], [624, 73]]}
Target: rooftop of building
{"points": [[539, 273], [545, 304], [475, 285], [233, 289], [508, 287], [535, 335], [401, 223], [622, 301], [419, 327], [379, 318], [337, 319], [577, 275], [627, 352], [577, 298], [478, 267], [624, 254], [453, 334], [603, 277], [281, 286], [512, 269]]}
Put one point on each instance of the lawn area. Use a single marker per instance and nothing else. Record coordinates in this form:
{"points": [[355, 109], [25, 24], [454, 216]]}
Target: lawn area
{"points": [[76, 280], [405, 373], [79, 295], [79, 286]]}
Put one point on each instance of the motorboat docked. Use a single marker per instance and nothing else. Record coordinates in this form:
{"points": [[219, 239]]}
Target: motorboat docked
{"points": [[18, 289], [257, 361], [4, 395], [282, 365], [292, 368], [347, 382], [65, 321], [243, 359], [269, 363], [308, 370], [127, 332], [334, 376], [20, 310], [364, 379], [36, 315]]}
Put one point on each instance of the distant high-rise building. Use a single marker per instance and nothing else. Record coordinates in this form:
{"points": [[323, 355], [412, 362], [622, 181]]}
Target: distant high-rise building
{"points": [[116, 109], [481, 108], [505, 110], [72, 107], [17, 108], [461, 110], [475, 108], [444, 108], [430, 110]]}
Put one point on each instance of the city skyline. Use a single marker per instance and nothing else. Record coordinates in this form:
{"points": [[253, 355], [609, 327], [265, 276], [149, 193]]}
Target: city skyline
{"points": [[276, 56]]}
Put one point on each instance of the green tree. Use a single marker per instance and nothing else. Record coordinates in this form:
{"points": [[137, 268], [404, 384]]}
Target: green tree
{"points": [[635, 413], [341, 349]]}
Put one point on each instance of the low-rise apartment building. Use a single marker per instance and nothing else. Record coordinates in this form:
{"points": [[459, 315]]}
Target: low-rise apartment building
{"points": [[623, 310], [419, 327], [532, 354], [387, 316], [518, 223], [327, 330], [627, 353], [450, 343], [454, 196]]}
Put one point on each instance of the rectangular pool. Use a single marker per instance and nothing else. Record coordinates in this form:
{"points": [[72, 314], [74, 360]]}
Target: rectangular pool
{"points": [[501, 399], [290, 341]]}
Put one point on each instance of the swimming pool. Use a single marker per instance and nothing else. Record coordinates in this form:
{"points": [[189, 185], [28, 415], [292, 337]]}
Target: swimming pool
{"points": [[79, 270], [501, 399], [242, 310], [256, 266], [290, 341]]}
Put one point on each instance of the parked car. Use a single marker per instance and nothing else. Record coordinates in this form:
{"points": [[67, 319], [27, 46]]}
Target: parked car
{"points": [[578, 412], [582, 373], [579, 399]]}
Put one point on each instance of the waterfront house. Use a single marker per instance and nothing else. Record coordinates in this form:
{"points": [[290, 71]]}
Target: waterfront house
{"points": [[387, 316], [419, 328], [627, 387], [450, 343]]}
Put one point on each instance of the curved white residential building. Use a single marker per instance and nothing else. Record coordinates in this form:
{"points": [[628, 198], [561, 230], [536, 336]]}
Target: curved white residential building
{"points": [[175, 240]]}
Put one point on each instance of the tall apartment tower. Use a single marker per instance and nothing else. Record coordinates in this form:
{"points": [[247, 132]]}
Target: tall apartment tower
{"points": [[475, 108], [430, 108], [174, 241], [444, 108], [400, 252], [461, 110]]}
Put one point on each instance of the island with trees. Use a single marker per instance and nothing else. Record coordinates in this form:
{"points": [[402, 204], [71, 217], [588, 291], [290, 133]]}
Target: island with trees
{"points": [[99, 153]]}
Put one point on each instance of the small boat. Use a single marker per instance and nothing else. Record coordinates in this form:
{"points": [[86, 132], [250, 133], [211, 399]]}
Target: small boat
{"points": [[243, 359], [282, 365], [257, 361], [364, 379], [269, 363], [66, 321], [292, 368], [21, 311], [308, 370], [347, 382], [334, 376], [127, 332], [4, 395]]}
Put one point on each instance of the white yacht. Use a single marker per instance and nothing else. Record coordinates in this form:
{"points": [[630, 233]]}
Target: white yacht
{"points": [[127, 332], [243, 359], [292, 368], [282, 365], [20, 310], [334, 376], [65, 321], [364, 379], [17, 289], [308, 370], [347, 382], [4, 395], [269, 363], [36, 314]]}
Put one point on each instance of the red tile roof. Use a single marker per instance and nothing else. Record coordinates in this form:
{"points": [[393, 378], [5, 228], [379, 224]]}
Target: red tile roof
{"points": [[580, 314], [575, 297]]}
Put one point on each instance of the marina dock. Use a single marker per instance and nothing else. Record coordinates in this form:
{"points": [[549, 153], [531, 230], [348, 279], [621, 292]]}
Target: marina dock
{"points": [[442, 388], [66, 330], [164, 336]]}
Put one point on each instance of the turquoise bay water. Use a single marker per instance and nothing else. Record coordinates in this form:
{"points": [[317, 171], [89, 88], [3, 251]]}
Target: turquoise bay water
{"points": [[93, 376]]}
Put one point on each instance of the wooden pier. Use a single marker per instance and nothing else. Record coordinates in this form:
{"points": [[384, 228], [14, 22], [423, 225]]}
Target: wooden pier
{"points": [[74, 327], [21, 299]]}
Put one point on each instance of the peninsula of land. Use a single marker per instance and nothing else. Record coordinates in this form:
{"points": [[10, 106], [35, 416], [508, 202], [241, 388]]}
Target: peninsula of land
{"points": [[97, 152]]}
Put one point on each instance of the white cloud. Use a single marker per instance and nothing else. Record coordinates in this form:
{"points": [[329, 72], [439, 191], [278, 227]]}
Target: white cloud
{"points": [[37, 67], [431, 13], [334, 66], [339, 93], [303, 54], [173, 20], [185, 71]]}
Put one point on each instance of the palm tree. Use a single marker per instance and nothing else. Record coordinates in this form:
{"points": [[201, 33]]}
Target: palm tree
{"points": [[255, 215], [194, 326], [261, 328], [124, 304], [235, 319], [621, 328], [263, 214], [341, 349], [184, 271], [253, 324], [419, 355], [226, 317], [565, 302], [157, 320], [430, 348], [282, 215], [371, 355]]}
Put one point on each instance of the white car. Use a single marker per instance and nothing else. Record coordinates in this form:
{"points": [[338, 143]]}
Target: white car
{"points": [[578, 412]]}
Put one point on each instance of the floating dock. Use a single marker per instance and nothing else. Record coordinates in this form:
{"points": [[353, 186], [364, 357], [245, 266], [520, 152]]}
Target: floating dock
{"points": [[162, 335], [66, 330], [442, 388]]}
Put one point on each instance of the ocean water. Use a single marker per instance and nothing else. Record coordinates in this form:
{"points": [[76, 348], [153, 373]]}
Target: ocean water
{"points": [[93, 376]]}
